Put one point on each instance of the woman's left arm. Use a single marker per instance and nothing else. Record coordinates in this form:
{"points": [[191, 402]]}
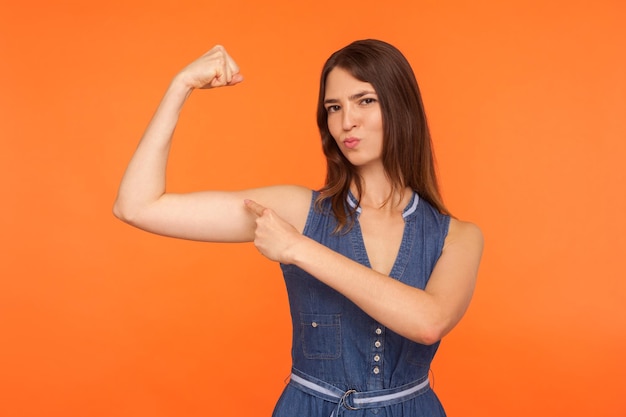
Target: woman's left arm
{"points": [[424, 316]]}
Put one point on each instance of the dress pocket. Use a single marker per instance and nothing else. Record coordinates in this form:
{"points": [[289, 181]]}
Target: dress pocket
{"points": [[321, 335]]}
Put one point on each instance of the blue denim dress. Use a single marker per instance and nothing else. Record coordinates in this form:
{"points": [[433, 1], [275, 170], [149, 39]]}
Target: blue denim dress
{"points": [[339, 352]]}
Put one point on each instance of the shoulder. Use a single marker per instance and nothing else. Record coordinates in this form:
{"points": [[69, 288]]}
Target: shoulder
{"points": [[290, 202], [465, 234], [461, 254]]}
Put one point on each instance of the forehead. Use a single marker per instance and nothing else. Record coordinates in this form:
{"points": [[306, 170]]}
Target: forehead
{"points": [[341, 83]]}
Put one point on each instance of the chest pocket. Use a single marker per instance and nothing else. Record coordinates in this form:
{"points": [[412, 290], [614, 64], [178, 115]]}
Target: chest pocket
{"points": [[321, 335]]}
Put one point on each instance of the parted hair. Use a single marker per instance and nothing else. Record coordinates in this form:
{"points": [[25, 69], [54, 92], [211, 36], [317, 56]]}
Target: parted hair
{"points": [[407, 154]]}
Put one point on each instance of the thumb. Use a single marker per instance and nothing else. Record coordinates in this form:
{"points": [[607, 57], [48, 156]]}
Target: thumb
{"points": [[236, 79]]}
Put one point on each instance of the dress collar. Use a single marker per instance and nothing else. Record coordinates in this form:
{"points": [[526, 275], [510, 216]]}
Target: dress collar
{"points": [[408, 210]]}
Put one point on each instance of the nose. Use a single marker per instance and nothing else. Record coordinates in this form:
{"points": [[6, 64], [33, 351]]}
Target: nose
{"points": [[349, 118]]}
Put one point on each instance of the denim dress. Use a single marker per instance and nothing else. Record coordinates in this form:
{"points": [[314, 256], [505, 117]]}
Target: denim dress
{"points": [[344, 362]]}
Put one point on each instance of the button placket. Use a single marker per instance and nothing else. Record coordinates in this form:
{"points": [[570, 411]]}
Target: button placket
{"points": [[378, 346]]}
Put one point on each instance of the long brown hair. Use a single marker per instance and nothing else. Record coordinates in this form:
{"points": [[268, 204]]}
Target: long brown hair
{"points": [[407, 154]]}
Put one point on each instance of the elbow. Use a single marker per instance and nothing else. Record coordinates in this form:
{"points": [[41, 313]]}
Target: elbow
{"points": [[430, 333], [122, 212], [433, 337], [429, 336], [117, 212], [134, 212]]}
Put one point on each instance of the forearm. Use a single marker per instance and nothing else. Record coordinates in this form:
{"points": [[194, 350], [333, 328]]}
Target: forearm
{"points": [[408, 311], [144, 180], [423, 316]]}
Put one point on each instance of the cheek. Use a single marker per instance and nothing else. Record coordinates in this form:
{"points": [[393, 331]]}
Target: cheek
{"points": [[378, 121], [333, 128]]}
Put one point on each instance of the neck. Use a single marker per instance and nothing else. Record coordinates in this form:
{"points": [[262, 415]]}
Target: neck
{"points": [[378, 192]]}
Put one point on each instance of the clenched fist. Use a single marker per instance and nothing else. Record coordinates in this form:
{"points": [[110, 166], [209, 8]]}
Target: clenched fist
{"points": [[213, 69]]}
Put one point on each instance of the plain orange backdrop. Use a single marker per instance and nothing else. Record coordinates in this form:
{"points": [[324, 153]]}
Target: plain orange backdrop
{"points": [[527, 105]]}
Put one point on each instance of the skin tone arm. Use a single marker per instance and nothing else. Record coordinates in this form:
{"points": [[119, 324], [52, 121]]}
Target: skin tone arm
{"points": [[423, 316], [208, 215]]}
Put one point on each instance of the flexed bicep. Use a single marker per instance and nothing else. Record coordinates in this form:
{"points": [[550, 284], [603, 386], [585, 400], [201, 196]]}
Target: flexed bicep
{"points": [[213, 216], [221, 216], [141, 194]]}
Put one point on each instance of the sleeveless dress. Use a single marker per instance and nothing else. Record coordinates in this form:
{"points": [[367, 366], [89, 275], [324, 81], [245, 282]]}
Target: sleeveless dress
{"points": [[344, 362]]}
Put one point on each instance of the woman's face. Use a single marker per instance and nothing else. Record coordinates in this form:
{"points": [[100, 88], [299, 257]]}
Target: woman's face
{"points": [[354, 117]]}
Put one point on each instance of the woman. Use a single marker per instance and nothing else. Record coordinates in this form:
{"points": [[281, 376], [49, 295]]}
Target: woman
{"points": [[377, 271]]}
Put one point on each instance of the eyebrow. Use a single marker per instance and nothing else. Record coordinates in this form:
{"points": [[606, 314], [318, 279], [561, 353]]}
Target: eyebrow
{"points": [[353, 97]]}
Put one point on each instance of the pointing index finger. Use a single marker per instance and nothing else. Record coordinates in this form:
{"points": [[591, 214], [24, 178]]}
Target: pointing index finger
{"points": [[254, 207]]}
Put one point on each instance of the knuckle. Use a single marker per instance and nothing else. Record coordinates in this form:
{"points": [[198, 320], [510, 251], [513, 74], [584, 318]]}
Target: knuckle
{"points": [[219, 61]]}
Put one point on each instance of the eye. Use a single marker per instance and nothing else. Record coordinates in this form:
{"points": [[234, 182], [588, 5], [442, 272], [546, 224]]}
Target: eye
{"points": [[368, 100], [332, 109]]}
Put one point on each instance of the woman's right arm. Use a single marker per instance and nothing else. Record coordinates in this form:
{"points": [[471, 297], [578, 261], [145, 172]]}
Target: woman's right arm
{"points": [[208, 215]]}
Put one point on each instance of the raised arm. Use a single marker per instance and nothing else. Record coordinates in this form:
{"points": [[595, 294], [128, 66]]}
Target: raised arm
{"points": [[208, 215]]}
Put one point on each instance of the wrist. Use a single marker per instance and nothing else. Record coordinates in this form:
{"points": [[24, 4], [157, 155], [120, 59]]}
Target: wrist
{"points": [[296, 254], [180, 84]]}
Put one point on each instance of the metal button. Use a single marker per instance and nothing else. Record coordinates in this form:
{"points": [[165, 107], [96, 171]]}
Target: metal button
{"points": [[377, 343], [376, 358], [376, 370], [314, 324], [379, 331]]}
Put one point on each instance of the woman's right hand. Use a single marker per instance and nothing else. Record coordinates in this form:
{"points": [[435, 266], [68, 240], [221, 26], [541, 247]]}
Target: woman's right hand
{"points": [[213, 69]]}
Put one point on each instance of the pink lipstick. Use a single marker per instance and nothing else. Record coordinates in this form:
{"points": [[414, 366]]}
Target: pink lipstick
{"points": [[351, 143]]}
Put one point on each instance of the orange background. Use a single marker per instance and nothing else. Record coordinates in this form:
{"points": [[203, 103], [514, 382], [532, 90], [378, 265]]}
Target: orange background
{"points": [[527, 105]]}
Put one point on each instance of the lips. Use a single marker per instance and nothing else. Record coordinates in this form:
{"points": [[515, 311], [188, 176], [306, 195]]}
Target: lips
{"points": [[351, 143]]}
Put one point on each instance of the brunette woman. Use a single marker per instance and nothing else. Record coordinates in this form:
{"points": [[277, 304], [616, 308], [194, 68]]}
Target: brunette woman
{"points": [[377, 270]]}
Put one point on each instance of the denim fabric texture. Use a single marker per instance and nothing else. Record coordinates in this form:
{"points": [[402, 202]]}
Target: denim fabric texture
{"points": [[334, 341]]}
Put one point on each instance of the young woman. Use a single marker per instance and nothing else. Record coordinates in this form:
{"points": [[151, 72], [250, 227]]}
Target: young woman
{"points": [[377, 271]]}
